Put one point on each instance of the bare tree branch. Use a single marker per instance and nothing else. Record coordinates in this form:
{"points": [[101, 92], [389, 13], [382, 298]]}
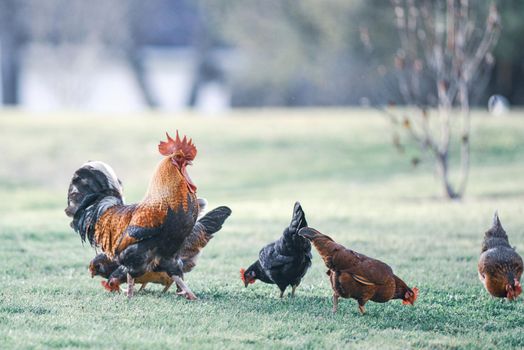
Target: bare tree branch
{"points": [[442, 53]]}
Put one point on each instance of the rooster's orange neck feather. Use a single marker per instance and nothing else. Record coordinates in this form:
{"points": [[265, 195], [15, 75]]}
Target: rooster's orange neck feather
{"points": [[167, 181]]}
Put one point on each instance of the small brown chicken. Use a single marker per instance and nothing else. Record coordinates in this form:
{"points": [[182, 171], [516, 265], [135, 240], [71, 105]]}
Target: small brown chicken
{"points": [[500, 266], [103, 266], [354, 275]]}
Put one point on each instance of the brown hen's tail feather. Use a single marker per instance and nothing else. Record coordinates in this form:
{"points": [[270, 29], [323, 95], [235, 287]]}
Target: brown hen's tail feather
{"points": [[94, 188], [325, 245], [202, 233]]}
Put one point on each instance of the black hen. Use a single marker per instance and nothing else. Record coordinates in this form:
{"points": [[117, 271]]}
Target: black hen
{"points": [[285, 261]]}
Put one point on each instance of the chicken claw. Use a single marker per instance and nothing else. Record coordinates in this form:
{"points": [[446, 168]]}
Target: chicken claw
{"points": [[335, 303], [185, 289], [130, 286]]}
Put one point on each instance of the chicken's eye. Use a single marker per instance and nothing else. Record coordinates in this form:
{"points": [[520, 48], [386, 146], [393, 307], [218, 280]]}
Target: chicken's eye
{"points": [[252, 273]]}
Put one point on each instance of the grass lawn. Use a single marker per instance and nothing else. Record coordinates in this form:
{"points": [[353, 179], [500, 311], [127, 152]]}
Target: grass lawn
{"points": [[353, 186]]}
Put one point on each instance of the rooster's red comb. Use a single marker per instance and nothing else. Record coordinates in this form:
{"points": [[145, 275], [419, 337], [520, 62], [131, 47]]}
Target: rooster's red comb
{"points": [[242, 271], [187, 148]]}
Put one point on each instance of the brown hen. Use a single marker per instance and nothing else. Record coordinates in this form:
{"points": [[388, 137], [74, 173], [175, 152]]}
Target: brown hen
{"points": [[500, 266], [354, 275]]}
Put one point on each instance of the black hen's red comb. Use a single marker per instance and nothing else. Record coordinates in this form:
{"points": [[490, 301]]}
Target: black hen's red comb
{"points": [[242, 272]]}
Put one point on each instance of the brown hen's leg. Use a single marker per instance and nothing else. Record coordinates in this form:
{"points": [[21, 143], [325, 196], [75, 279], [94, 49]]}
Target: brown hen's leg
{"points": [[130, 286], [187, 292], [361, 307], [335, 303], [142, 287]]}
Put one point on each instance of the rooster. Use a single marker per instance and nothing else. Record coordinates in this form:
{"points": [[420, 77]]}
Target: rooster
{"points": [[142, 237], [202, 233], [500, 266], [354, 275], [285, 261]]}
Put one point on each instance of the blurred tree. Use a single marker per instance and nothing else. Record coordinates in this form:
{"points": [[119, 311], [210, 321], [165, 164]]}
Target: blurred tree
{"points": [[75, 37], [444, 59], [206, 67], [290, 53], [299, 53], [72, 38], [508, 77]]}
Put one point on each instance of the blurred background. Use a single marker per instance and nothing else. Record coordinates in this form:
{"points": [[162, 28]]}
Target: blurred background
{"points": [[374, 114], [130, 55]]}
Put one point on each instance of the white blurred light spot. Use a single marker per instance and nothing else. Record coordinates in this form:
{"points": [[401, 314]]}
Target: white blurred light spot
{"points": [[498, 105]]}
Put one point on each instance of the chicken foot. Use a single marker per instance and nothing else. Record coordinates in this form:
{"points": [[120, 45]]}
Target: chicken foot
{"points": [[142, 287], [167, 287], [185, 289], [335, 303], [130, 286], [293, 290], [361, 307]]}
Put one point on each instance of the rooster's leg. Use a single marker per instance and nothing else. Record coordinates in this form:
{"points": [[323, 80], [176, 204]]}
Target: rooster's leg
{"points": [[281, 294], [188, 293], [130, 286], [335, 303]]}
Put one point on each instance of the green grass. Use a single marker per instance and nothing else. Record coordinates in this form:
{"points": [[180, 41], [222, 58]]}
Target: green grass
{"points": [[352, 185]]}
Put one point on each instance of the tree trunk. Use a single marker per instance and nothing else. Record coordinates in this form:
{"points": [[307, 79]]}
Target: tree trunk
{"points": [[10, 37], [465, 138], [443, 170], [195, 89], [201, 49], [10, 72], [139, 72]]}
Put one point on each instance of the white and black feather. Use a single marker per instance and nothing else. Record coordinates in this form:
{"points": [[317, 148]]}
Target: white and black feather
{"points": [[94, 188]]}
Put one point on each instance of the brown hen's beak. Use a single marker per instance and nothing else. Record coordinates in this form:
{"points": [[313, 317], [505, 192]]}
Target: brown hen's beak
{"points": [[308, 232]]}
